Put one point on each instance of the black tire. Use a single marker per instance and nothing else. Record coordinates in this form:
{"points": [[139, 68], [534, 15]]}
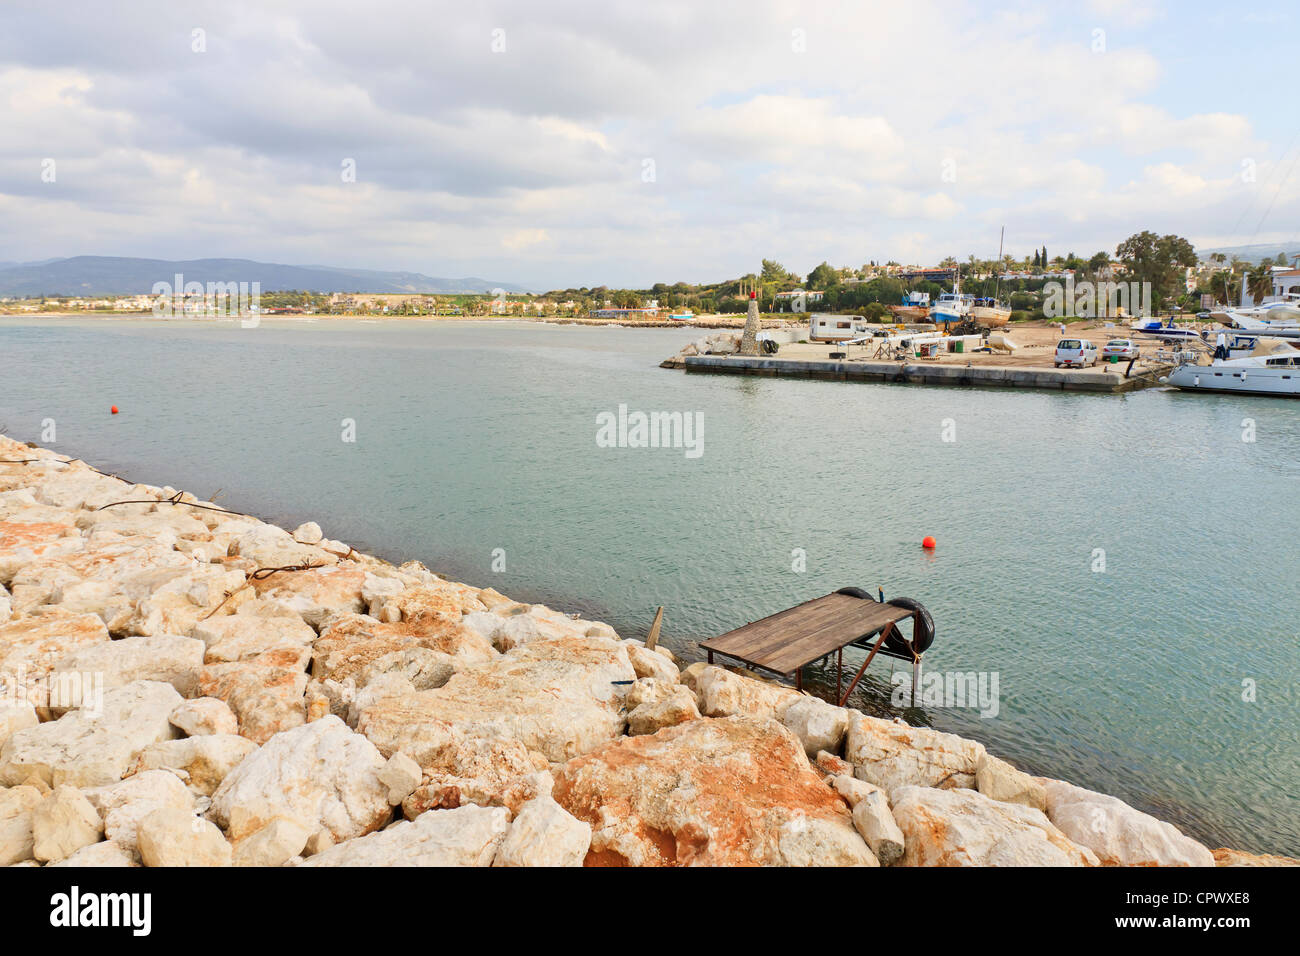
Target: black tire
{"points": [[922, 628], [769, 347]]}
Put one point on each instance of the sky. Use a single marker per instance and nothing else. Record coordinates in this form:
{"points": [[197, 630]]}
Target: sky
{"points": [[627, 142]]}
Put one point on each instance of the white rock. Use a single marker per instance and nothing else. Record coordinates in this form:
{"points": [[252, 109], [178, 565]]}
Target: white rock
{"points": [[308, 533], [653, 716], [204, 716], [124, 804], [873, 819], [998, 780], [15, 717], [62, 823], [104, 854], [159, 657], [84, 748], [466, 836], [1116, 832], [961, 827], [274, 845], [320, 775], [819, 725], [891, 755], [401, 775], [544, 834], [173, 837], [205, 761], [647, 663], [724, 694], [17, 805]]}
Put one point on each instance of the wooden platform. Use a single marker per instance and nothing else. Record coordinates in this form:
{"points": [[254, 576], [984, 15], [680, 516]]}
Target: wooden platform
{"points": [[789, 639]]}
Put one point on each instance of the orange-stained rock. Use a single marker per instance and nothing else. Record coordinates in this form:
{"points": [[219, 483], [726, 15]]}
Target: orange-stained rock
{"points": [[562, 697], [30, 647], [1226, 857], [266, 693], [735, 791], [22, 542], [315, 594], [351, 644]]}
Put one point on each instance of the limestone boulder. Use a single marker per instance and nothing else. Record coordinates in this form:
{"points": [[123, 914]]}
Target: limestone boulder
{"points": [[1226, 857], [565, 698], [959, 827], [875, 821], [999, 780], [161, 657], [427, 649], [466, 836], [86, 748], [401, 775], [819, 725], [724, 694], [48, 535], [320, 775], [103, 854], [14, 716], [543, 833], [266, 693], [1118, 834], [202, 762], [735, 791], [30, 647], [17, 808], [273, 845], [648, 663], [653, 716], [63, 823], [272, 547], [245, 636], [204, 715], [124, 804], [172, 837], [890, 754], [315, 595]]}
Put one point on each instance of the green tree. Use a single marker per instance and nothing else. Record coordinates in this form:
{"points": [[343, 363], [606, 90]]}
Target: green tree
{"points": [[1159, 260], [822, 278], [1259, 282]]}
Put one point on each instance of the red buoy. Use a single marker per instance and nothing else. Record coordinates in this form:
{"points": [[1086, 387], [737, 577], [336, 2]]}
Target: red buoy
{"points": [[928, 543], [113, 409]]}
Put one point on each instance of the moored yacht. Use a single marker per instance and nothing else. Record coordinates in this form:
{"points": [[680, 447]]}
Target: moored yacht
{"points": [[1271, 368]]}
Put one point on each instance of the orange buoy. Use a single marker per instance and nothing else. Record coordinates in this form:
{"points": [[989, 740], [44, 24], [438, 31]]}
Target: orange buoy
{"points": [[113, 409], [928, 543]]}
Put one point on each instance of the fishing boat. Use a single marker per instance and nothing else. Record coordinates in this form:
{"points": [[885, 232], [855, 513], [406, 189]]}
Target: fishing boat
{"points": [[952, 307], [1271, 368], [915, 308], [685, 316], [990, 313]]}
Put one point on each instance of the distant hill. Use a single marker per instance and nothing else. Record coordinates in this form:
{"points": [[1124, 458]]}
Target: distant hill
{"points": [[1253, 254], [111, 275]]}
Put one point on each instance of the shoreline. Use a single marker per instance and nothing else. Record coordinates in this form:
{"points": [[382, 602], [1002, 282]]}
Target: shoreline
{"points": [[225, 646]]}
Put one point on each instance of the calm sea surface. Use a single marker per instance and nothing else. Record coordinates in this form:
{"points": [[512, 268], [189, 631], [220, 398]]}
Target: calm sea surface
{"points": [[1171, 678]]}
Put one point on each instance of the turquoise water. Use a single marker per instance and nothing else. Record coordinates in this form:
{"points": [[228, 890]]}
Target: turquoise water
{"points": [[476, 437]]}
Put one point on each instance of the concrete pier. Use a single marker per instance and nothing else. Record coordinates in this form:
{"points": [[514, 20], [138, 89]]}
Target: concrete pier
{"points": [[920, 373]]}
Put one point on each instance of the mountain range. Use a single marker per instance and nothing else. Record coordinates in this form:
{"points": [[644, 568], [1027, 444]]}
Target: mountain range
{"points": [[113, 275]]}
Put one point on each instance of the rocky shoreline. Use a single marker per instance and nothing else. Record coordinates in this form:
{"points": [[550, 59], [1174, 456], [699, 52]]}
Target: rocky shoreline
{"points": [[184, 685]]}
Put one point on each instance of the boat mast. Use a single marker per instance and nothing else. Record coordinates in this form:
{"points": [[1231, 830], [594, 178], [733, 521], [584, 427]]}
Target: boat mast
{"points": [[997, 276]]}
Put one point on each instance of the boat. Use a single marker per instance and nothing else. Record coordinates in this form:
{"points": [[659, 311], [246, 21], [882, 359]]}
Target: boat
{"points": [[990, 313], [952, 307], [1166, 331], [1272, 367], [686, 316], [915, 307]]}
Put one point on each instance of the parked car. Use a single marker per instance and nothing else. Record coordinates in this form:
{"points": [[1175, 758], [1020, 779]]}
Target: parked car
{"points": [[1077, 353], [1124, 349]]}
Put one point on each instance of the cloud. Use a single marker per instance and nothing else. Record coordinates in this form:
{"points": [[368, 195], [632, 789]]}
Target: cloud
{"points": [[512, 140]]}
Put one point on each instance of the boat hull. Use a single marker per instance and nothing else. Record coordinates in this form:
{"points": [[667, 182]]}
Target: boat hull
{"points": [[990, 318], [1277, 383]]}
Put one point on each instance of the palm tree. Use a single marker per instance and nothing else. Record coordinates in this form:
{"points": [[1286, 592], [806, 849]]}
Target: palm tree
{"points": [[1259, 283]]}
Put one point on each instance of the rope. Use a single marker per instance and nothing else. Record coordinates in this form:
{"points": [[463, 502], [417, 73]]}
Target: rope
{"points": [[173, 500]]}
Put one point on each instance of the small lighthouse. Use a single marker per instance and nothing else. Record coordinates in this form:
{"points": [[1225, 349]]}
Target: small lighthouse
{"points": [[749, 340]]}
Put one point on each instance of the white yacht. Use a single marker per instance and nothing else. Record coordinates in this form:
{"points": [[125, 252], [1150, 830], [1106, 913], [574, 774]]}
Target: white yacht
{"points": [[1272, 367]]}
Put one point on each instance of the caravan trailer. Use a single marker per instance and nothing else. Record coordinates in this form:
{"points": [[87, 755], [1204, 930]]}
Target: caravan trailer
{"points": [[826, 327]]}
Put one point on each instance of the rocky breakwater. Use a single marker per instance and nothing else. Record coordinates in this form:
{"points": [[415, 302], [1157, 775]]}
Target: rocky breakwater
{"points": [[188, 686]]}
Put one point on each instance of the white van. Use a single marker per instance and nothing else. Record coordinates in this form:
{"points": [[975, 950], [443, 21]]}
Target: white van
{"points": [[1075, 353]]}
